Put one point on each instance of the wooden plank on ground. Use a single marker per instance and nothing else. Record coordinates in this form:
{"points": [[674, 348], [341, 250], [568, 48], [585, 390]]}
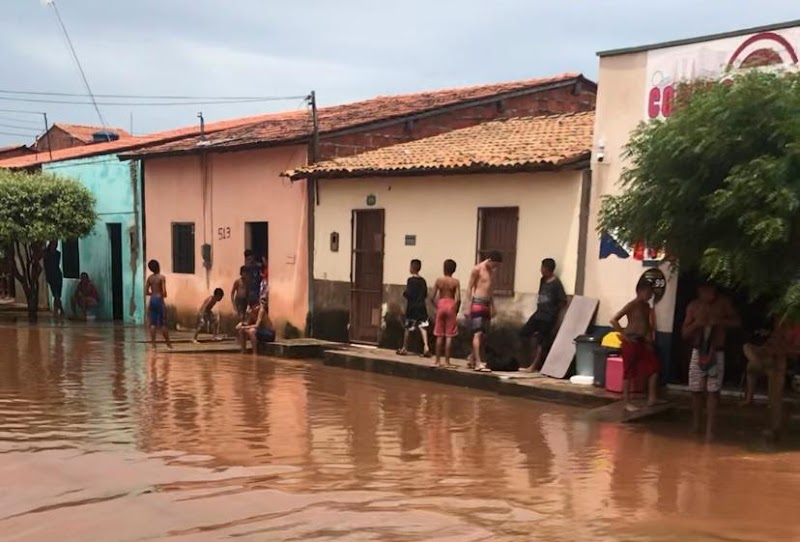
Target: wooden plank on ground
{"points": [[576, 321], [615, 412]]}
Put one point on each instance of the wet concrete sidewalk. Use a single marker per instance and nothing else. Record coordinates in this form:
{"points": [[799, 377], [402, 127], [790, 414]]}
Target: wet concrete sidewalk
{"points": [[542, 388]]}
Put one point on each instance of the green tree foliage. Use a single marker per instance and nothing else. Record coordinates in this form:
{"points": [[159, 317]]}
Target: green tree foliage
{"points": [[718, 186], [35, 208]]}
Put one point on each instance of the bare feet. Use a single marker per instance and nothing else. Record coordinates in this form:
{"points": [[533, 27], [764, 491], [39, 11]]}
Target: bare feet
{"points": [[482, 368], [195, 341], [631, 408]]}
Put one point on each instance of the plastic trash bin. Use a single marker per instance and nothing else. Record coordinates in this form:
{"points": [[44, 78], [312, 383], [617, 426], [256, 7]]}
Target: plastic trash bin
{"points": [[601, 354], [584, 354]]}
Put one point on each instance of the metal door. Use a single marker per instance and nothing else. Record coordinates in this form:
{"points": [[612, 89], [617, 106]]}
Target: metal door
{"points": [[366, 277]]}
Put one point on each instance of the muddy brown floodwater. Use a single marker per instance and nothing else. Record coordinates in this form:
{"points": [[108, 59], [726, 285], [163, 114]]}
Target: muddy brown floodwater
{"points": [[103, 440]]}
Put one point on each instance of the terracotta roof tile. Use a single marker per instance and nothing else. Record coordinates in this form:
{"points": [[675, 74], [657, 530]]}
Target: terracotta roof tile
{"points": [[86, 133], [527, 143], [128, 143], [297, 125]]}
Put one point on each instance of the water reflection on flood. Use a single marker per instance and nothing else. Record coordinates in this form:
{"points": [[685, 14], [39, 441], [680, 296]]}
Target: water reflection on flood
{"points": [[101, 439]]}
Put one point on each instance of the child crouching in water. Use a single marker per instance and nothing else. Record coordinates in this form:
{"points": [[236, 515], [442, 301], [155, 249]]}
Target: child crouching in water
{"points": [[206, 316], [447, 299], [639, 358]]}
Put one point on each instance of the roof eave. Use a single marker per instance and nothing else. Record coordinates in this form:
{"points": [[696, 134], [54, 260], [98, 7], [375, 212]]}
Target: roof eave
{"points": [[145, 155], [698, 39], [579, 161]]}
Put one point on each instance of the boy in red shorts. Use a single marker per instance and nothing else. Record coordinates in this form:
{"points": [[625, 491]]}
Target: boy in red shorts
{"points": [[638, 354], [447, 299]]}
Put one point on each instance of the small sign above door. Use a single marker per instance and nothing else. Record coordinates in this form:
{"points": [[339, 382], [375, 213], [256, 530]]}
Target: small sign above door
{"points": [[372, 199], [411, 240]]}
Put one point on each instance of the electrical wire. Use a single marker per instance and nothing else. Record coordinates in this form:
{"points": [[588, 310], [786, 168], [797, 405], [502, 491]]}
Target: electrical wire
{"points": [[77, 61], [149, 97], [23, 112], [22, 122], [15, 134], [17, 127], [143, 104]]}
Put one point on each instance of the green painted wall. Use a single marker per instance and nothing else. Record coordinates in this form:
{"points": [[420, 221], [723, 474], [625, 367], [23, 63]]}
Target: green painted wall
{"points": [[117, 187]]}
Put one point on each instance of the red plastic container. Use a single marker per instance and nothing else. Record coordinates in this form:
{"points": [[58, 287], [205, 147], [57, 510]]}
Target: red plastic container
{"points": [[614, 374]]}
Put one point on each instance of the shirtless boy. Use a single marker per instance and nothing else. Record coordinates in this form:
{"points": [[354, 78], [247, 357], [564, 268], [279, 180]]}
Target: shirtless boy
{"points": [[447, 300], [156, 288], [639, 358], [708, 319], [258, 327], [206, 316], [770, 360], [481, 305], [239, 293]]}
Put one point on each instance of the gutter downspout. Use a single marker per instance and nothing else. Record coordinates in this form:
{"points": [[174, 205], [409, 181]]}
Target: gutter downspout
{"points": [[583, 229], [311, 202]]}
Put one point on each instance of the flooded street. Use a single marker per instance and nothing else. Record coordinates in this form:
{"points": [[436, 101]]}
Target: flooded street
{"points": [[103, 440]]}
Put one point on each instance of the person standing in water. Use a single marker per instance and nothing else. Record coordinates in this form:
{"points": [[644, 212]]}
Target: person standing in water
{"points": [[481, 305], [708, 319], [639, 358], [156, 288], [447, 299], [54, 277]]}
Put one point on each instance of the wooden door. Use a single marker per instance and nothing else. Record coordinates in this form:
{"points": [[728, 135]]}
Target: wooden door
{"points": [[366, 277]]}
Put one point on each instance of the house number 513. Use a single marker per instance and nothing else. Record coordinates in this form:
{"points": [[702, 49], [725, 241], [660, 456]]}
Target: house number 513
{"points": [[224, 232]]}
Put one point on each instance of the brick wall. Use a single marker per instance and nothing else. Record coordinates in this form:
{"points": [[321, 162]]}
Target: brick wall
{"points": [[569, 99], [59, 139]]}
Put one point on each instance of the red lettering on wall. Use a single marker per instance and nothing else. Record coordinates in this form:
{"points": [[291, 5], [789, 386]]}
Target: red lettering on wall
{"points": [[660, 101], [667, 98], [654, 102]]}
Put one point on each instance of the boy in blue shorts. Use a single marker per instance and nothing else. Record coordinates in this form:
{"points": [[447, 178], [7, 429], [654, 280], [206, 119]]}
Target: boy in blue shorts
{"points": [[156, 288]]}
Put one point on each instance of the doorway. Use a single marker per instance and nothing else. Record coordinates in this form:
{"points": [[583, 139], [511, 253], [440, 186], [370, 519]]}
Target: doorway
{"points": [[115, 240], [256, 238], [366, 286]]}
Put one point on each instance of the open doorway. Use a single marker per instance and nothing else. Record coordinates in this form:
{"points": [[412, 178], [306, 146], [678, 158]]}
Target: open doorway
{"points": [[115, 248], [256, 238]]}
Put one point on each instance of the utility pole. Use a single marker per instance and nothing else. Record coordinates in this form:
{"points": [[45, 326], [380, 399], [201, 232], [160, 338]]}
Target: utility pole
{"points": [[314, 154], [202, 125], [47, 135], [312, 200]]}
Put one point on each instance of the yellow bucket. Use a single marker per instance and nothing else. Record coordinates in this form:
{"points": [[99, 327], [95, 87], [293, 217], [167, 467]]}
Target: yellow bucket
{"points": [[612, 340]]}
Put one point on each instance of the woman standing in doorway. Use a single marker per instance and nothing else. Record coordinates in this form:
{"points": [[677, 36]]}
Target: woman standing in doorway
{"points": [[54, 277]]}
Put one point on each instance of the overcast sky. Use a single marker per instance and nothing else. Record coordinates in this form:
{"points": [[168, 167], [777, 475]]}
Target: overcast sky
{"points": [[344, 49]]}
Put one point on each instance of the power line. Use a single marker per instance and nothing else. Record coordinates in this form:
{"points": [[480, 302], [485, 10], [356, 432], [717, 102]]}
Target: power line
{"points": [[17, 127], [77, 61], [27, 136], [7, 118], [22, 112], [95, 103], [148, 96]]}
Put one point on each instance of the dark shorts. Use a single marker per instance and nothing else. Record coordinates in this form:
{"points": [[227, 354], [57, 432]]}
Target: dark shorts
{"points": [[56, 286], [265, 335], [535, 327], [413, 324], [156, 311], [241, 306], [480, 315], [416, 317]]}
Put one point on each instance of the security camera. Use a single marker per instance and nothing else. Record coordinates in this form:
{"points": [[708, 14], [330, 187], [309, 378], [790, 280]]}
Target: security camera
{"points": [[601, 151]]}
